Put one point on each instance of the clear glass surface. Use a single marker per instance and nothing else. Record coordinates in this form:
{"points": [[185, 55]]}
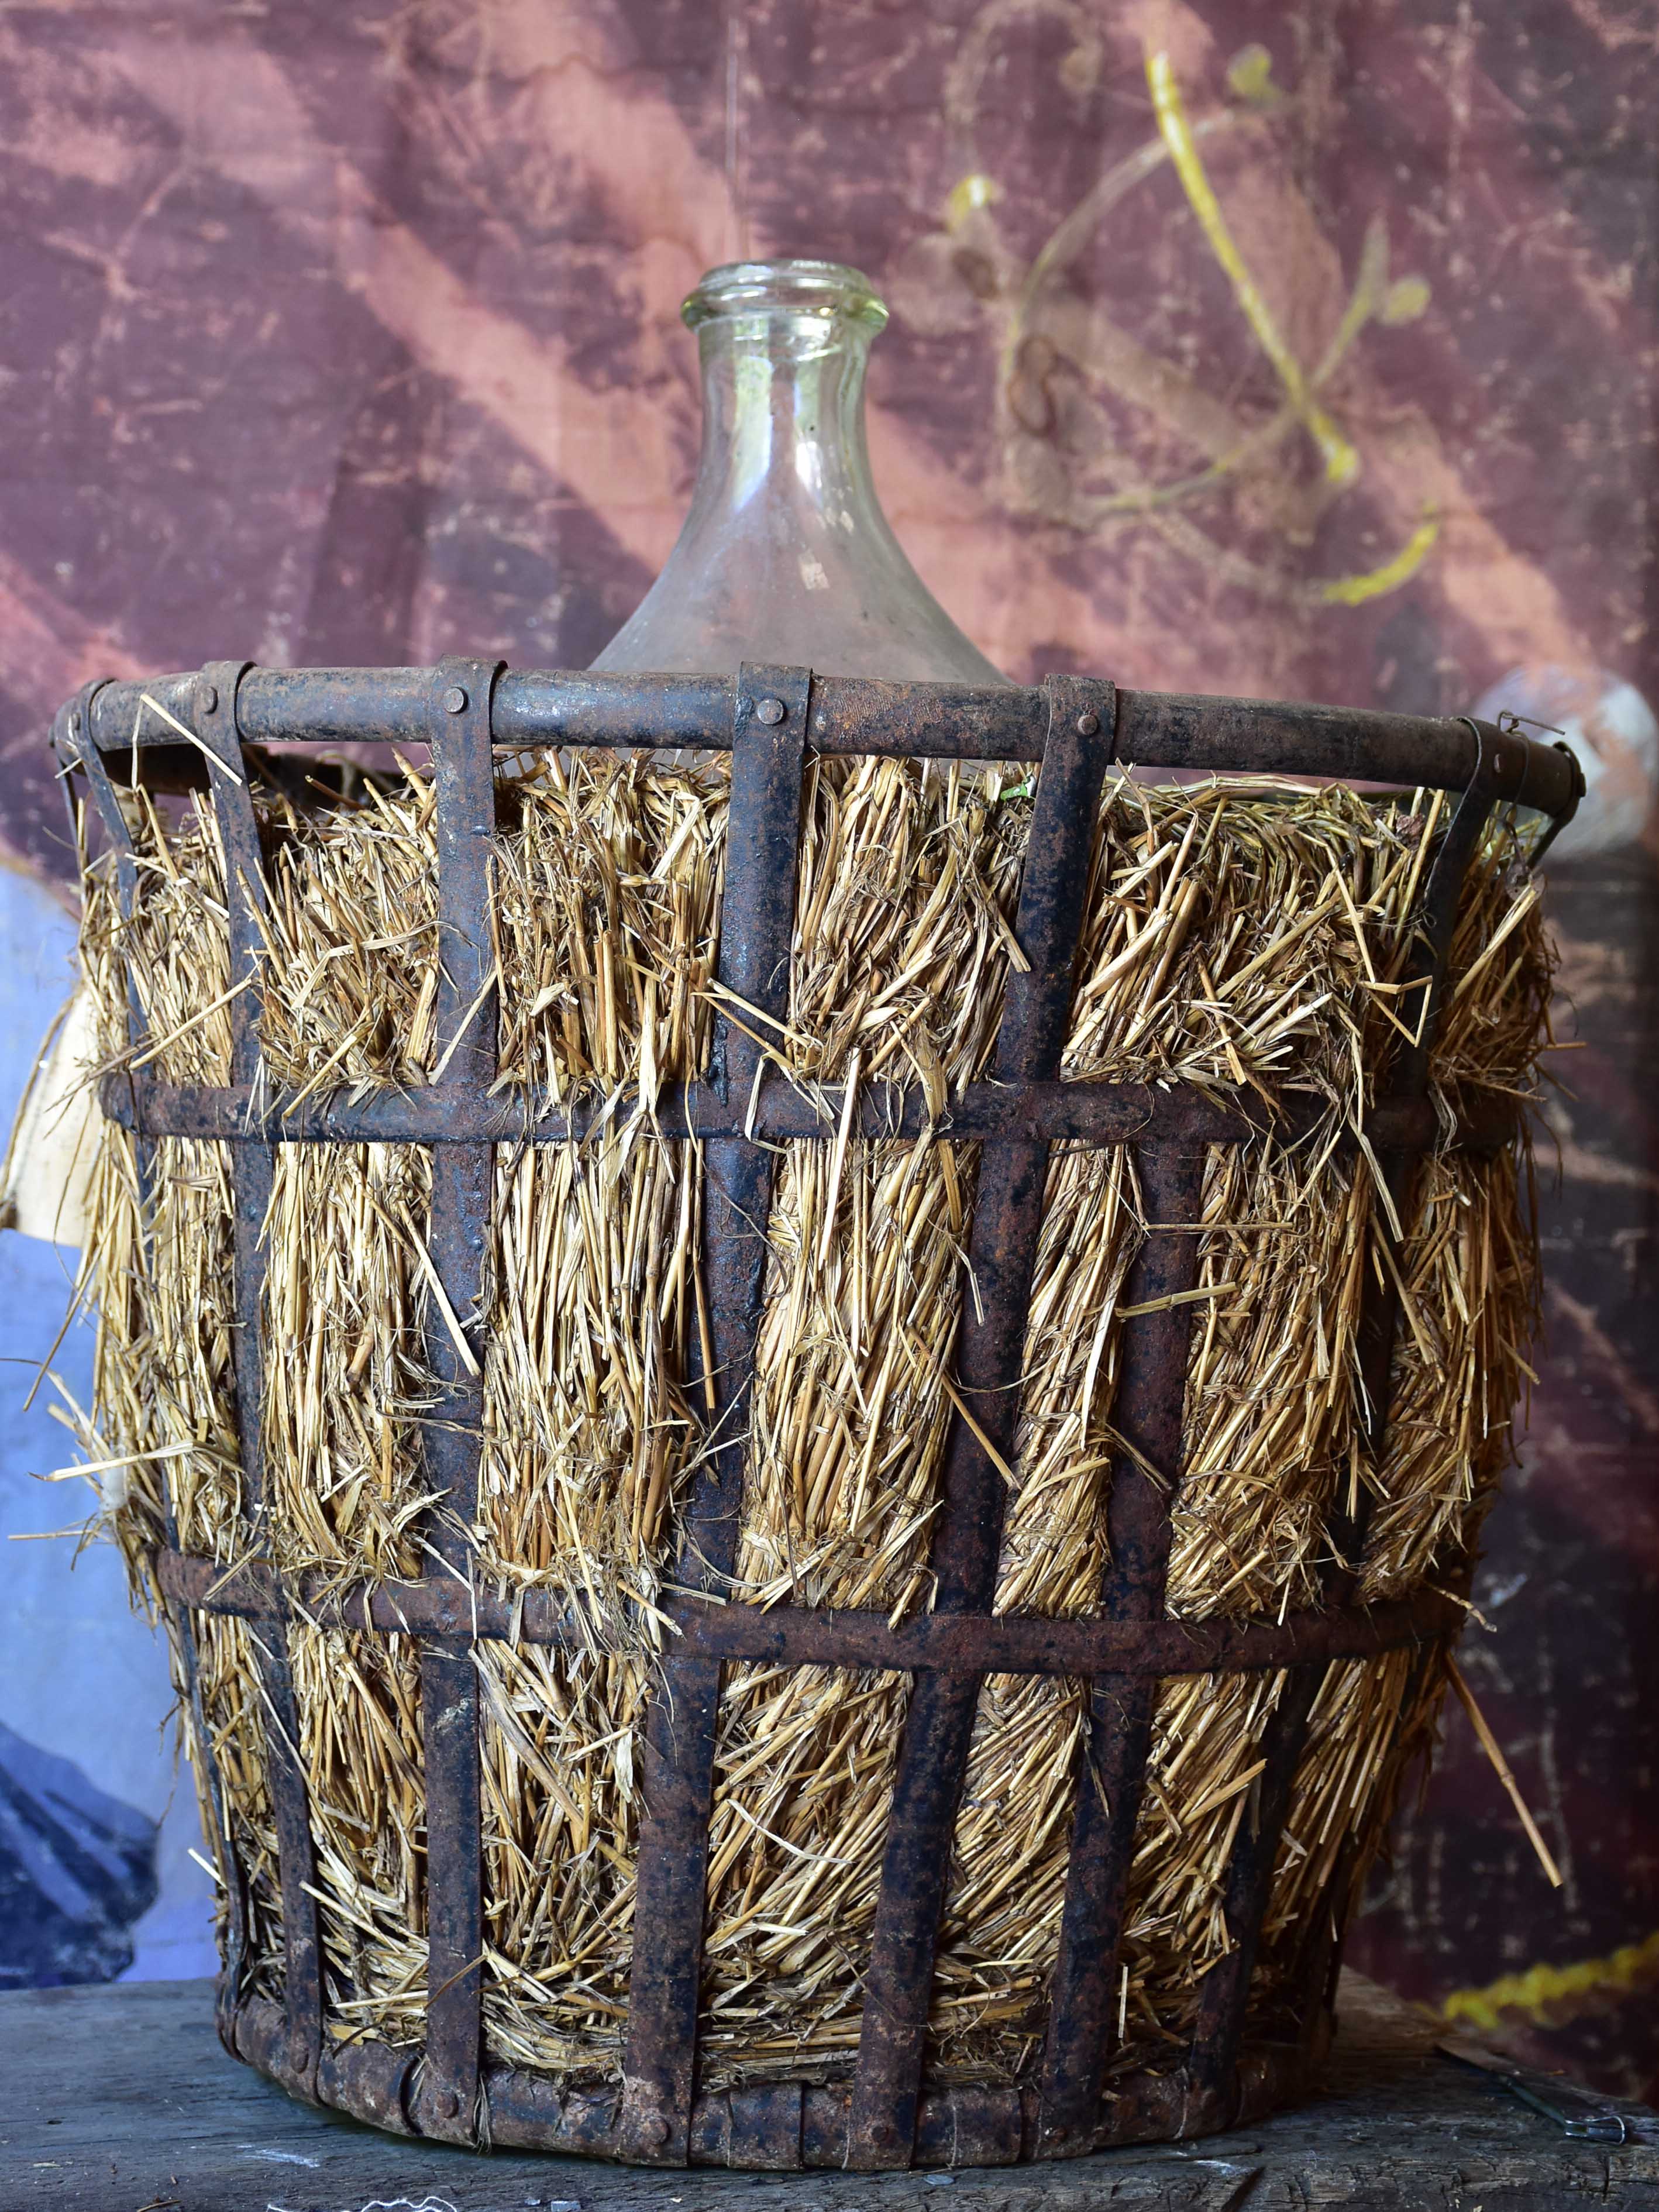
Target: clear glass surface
{"points": [[786, 554]]}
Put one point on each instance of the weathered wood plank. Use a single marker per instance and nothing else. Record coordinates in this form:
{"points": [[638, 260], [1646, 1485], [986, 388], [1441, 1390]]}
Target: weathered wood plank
{"points": [[118, 2099]]}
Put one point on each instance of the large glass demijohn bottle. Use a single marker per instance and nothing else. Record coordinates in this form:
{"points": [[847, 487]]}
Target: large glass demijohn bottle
{"points": [[786, 554]]}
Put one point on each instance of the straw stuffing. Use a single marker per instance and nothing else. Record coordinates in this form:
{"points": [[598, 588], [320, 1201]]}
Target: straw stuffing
{"points": [[1250, 936]]}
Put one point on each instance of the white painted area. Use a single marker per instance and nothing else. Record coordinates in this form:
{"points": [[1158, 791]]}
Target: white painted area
{"points": [[1611, 728], [79, 1673], [54, 1146]]}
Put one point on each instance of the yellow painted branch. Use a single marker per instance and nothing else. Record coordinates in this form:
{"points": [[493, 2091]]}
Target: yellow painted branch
{"points": [[1341, 459], [1354, 591], [1562, 1991]]}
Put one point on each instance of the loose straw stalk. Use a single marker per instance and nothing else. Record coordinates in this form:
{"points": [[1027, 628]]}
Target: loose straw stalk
{"points": [[1500, 1765]]}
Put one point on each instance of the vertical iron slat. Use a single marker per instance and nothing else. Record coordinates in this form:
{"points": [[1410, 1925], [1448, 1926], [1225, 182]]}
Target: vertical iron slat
{"points": [[1319, 1946], [1408, 1079], [466, 1028], [757, 926], [73, 723], [1213, 2067], [990, 1350], [1379, 1321], [251, 1172], [1147, 1415]]}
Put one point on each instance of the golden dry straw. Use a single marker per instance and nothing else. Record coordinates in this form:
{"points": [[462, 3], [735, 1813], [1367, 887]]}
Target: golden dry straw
{"points": [[1253, 938]]}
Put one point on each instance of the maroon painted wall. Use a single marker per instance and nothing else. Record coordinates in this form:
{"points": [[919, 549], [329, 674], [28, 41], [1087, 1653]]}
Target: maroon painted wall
{"points": [[347, 333]]}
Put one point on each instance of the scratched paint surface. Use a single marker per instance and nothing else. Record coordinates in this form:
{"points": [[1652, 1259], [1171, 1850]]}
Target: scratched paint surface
{"points": [[1317, 361]]}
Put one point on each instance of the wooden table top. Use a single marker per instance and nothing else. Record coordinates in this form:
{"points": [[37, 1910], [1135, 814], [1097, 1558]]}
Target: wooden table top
{"points": [[118, 2099]]}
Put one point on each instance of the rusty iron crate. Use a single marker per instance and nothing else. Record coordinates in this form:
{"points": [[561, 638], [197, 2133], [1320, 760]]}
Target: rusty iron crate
{"points": [[770, 719]]}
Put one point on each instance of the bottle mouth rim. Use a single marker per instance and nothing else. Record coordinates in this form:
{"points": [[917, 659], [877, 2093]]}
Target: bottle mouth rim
{"points": [[786, 287]]}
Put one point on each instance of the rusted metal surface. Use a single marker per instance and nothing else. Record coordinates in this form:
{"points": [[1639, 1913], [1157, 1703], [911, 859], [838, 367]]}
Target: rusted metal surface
{"points": [[1211, 2070], [369, 2080], [259, 2036], [1082, 731], [865, 715], [214, 710], [618, 710], [938, 1729], [1261, 736], [1406, 1088], [1152, 1360], [458, 716], [1317, 1966], [1561, 815], [1146, 1414], [1212, 2074], [68, 733], [757, 922], [1483, 790], [448, 2089], [476, 718], [1379, 1326], [1046, 1112], [757, 2130], [665, 1975], [773, 2127], [971, 2127], [990, 1350], [531, 2111], [365, 2079], [803, 1635]]}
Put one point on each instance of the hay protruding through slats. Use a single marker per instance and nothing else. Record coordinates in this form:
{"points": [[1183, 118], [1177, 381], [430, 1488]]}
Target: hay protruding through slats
{"points": [[1255, 939]]}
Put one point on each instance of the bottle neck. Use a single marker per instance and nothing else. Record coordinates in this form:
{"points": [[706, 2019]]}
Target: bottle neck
{"points": [[783, 426], [786, 554]]}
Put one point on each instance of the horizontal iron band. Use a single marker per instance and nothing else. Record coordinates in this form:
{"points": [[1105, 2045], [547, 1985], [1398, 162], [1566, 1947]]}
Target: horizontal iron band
{"points": [[1084, 1113], [771, 2126], [801, 1636], [854, 715]]}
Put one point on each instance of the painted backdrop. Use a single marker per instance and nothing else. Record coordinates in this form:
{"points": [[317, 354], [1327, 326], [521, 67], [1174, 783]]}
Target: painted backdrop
{"points": [[1320, 360]]}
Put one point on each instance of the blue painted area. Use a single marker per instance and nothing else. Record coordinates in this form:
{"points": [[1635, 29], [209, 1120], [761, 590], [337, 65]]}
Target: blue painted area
{"points": [[80, 1678], [77, 1869]]}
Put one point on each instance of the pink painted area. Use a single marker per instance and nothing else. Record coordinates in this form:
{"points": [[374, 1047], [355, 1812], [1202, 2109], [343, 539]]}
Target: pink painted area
{"points": [[351, 335]]}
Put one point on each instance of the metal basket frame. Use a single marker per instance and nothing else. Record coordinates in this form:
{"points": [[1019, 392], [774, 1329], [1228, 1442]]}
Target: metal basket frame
{"points": [[470, 713]]}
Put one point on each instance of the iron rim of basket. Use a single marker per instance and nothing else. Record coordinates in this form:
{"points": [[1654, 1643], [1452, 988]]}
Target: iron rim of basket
{"points": [[470, 713]]}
